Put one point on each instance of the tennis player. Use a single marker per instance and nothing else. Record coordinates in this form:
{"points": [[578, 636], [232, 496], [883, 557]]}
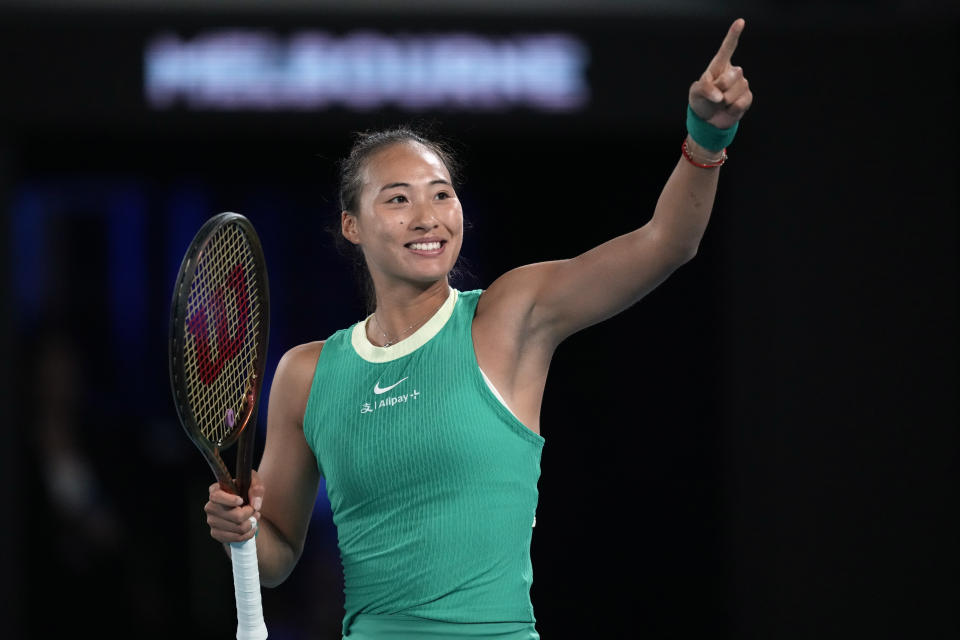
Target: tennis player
{"points": [[424, 419]]}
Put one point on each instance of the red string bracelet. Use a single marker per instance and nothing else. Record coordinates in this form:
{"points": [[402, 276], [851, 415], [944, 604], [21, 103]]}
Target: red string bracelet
{"points": [[718, 163]]}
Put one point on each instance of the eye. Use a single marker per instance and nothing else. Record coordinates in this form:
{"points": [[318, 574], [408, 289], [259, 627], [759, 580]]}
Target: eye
{"points": [[443, 195], [398, 199]]}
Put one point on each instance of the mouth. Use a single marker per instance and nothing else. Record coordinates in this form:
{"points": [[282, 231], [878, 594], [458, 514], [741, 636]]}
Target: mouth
{"points": [[426, 246]]}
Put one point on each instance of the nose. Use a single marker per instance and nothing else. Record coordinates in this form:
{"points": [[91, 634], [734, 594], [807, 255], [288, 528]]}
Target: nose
{"points": [[424, 218]]}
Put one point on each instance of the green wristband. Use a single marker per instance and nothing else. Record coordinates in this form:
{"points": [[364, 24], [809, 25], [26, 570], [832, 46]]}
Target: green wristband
{"points": [[708, 136]]}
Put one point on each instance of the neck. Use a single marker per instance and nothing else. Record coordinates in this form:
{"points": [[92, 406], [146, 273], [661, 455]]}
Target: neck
{"points": [[401, 311]]}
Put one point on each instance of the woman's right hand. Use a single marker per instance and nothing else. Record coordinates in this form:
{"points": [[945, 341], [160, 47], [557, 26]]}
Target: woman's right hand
{"points": [[228, 517]]}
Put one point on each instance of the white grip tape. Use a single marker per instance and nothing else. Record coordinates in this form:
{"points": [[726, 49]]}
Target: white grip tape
{"points": [[246, 586]]}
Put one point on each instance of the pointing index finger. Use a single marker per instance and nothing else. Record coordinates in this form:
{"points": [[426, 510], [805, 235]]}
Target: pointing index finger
{"points": [[722, 60]]}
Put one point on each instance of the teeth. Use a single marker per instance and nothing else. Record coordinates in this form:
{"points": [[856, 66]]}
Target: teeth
{"points": [[425, 246]]}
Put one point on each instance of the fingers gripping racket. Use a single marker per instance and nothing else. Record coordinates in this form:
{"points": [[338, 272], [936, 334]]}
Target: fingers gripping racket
{"points": [[218, 343]]}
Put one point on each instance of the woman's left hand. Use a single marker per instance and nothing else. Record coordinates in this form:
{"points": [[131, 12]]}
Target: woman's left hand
{"points": [[722, 94]]}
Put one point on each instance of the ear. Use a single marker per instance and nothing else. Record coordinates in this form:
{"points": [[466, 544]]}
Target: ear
{"points": [[348, 227]]}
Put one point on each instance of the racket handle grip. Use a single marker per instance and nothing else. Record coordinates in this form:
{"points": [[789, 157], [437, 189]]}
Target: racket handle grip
{"points": [[246, 586]]}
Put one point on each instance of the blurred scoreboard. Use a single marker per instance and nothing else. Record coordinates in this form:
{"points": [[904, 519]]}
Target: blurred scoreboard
{"points": [[168, 70]]}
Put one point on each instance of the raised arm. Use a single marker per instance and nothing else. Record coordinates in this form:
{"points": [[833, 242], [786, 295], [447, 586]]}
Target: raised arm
{"points": [[562, 297], [284, 488]]}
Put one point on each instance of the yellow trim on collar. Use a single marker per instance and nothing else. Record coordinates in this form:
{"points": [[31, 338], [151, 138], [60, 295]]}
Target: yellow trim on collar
{"points": [[372, 353]]}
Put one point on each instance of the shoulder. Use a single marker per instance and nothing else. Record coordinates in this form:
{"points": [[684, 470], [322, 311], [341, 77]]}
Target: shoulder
{"points": [[296, 361], [511, 297], [294, 375]]}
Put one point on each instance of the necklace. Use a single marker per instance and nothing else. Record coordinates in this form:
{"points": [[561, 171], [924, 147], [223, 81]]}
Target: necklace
{"points": [[392, 341]]}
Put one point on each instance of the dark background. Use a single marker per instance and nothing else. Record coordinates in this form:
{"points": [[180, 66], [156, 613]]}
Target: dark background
{"points": [[764, 447]]}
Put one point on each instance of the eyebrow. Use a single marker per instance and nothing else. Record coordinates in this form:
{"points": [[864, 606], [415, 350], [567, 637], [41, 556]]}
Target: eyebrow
{"points": [[393, 185]]}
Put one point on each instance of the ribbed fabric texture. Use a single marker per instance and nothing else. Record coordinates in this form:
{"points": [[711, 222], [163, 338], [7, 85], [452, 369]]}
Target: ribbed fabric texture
{"points": [[433, 483], [396, 627]]}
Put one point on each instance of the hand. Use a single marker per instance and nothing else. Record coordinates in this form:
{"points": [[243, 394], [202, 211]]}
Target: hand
{"points": [[722, 94], [228, 517]]}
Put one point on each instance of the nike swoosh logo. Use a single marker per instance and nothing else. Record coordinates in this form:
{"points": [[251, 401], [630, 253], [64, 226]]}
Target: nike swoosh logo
{"points": [[377, 389]]}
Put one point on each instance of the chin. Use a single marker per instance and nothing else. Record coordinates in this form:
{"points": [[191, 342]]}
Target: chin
{"points": [[432, 273], [430, 278]]}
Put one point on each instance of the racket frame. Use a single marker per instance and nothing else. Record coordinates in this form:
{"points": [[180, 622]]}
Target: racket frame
{"points": [[244, 434]]}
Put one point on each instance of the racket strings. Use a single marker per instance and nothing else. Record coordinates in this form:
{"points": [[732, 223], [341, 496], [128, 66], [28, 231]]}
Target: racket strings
{"points": [[224, 317]]}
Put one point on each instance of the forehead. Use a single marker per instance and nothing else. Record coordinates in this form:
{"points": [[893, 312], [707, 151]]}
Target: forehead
{"points": [[404, 162]]}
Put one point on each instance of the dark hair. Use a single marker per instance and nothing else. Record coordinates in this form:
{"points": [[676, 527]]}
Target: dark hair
{"points": [[350, 169], [368, 143]]}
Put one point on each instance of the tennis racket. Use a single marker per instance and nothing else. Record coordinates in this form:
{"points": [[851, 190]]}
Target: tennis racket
{"points": [[219, 323]]}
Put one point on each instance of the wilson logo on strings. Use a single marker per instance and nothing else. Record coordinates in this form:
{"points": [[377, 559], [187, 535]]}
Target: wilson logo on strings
{"points": [[228, 346]]}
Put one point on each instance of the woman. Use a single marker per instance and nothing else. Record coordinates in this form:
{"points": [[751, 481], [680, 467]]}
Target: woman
{"points": [[424, 418]]}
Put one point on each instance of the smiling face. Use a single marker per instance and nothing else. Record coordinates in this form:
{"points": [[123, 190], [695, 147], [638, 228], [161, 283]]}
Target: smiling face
{"points": [[408, 222]]}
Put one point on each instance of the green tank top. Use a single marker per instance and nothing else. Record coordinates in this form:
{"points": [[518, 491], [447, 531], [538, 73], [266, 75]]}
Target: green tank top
{"points": [[431, 479]]}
